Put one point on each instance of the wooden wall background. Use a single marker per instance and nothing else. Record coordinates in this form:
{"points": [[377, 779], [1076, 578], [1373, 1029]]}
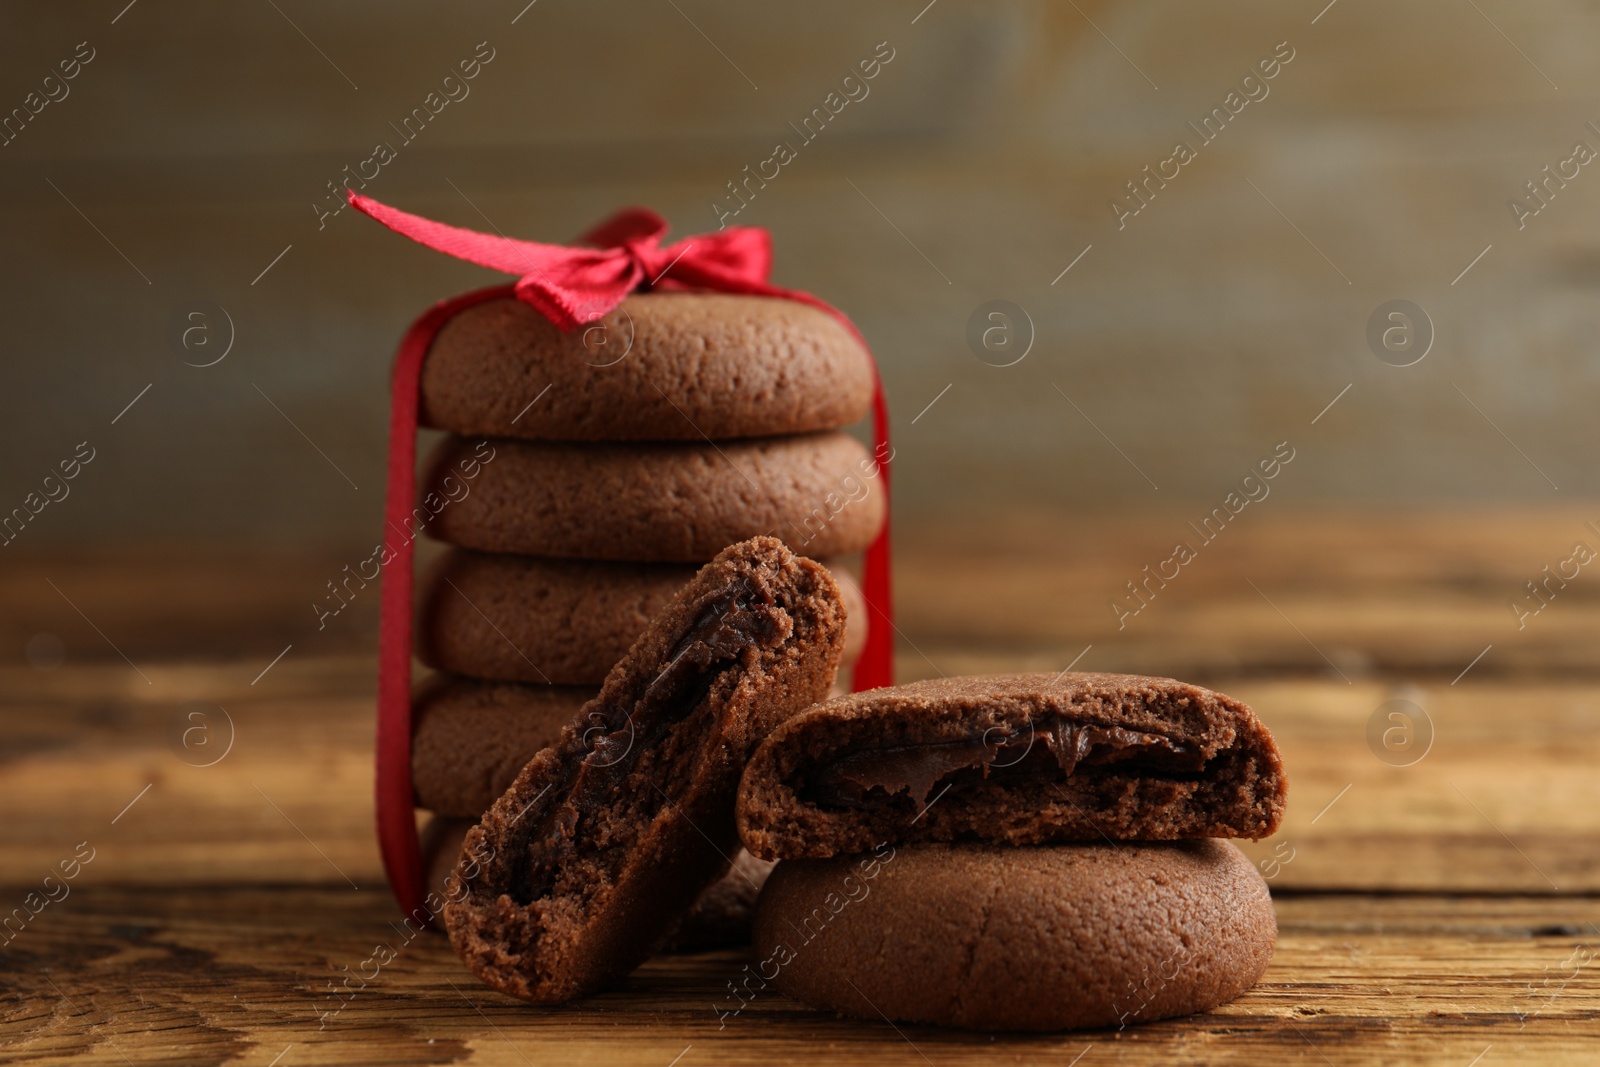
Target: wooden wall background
{"points": [[191, 149]]}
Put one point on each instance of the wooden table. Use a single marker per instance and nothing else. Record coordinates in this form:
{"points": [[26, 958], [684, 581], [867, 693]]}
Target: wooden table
{"points": [[1442, 911]]}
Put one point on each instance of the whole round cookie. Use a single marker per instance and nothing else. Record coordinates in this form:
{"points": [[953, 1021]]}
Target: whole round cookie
{"points": [[530, 619], [469, 739], [820, 493], [661, 367], [987, 937]]}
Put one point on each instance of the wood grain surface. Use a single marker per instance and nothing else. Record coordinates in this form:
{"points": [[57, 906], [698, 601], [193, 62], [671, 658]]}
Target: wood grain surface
{"points": [[211, 975], [1437, 904]]}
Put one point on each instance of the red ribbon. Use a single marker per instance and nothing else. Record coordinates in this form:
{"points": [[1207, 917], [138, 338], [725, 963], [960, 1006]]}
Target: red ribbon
{"points": [[570, 286]]}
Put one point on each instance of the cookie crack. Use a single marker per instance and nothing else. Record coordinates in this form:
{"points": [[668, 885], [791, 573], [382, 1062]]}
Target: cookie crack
{"points": [[964, 972]]}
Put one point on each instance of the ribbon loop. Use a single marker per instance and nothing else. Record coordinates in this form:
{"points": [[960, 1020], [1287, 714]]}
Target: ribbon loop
{"points": [[630, 226], [574, 286]]}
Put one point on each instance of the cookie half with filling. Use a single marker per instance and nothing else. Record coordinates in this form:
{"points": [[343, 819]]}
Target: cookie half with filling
{"points": [[720, 918], [605, 840], [1015, 760]]}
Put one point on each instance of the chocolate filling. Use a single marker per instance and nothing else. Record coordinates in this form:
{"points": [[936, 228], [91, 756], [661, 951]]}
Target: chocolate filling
{"points": [[620, 730], [1031, 752]]}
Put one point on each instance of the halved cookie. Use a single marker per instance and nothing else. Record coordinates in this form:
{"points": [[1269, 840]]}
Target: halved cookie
{"points": [[1012, 759], [605, 840], [720, 918]]}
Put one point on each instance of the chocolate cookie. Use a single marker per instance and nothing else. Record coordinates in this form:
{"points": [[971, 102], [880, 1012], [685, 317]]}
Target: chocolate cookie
{"points": [[993, 938], [529, 619], [1012, 759], [722, 916], [470, 738], [606, 839], [656, 502], [662, 367]]}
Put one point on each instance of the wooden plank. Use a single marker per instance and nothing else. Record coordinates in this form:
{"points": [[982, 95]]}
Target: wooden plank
{"points": [[1502, 798], [289, 801], [183, 602], [1378, 594], [1488, 808], [1368, 595], [202, 976]]}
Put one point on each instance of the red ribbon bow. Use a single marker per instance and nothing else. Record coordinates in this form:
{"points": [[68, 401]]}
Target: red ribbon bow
{"points": [[570, 286]]}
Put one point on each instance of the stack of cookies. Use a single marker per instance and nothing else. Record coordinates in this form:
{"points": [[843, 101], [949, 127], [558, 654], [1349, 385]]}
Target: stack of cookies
{"points": [[1016, 852], [587, 475]]}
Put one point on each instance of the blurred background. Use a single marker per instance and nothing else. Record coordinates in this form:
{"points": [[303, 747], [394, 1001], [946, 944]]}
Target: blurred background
{"points": [[186, 169], [196, 147], [1166, 324]]}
